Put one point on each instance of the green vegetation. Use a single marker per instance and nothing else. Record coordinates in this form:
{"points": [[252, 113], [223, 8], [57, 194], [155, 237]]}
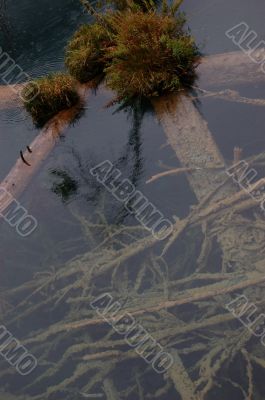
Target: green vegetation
{"points": [[140, 53], [51, 94], [141, 50], [85, 55], [151, 55]]}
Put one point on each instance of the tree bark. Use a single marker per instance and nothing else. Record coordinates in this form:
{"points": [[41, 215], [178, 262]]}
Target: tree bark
{"points": [[21, 174], [188, 134], [232, 68], [229, 69]]}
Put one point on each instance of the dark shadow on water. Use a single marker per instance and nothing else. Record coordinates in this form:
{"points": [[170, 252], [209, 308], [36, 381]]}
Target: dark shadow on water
{"points": [[136, 111], [73, 181], [5, 26]]}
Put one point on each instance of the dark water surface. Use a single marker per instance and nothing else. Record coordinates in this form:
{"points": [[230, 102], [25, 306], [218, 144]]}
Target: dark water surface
{"points": [[35, 35]]}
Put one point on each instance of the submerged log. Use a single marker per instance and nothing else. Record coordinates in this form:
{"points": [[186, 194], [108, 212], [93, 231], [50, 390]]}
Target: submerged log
{"points": [[232, 68], [188, 134], [193, 143], [180, 377]]}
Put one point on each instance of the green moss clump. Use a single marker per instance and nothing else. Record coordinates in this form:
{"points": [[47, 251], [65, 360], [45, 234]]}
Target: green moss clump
{"points": [[85, 53], [139, 52], [49, 95], [152, 55]]}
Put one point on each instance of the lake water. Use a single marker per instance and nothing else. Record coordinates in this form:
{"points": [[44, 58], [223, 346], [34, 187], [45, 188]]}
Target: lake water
{"points": [[75, 215]]}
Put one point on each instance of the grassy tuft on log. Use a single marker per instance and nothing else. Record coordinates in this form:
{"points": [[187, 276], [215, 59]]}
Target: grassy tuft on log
{"points": [[85, 55], [140, 53], [50, 95]]}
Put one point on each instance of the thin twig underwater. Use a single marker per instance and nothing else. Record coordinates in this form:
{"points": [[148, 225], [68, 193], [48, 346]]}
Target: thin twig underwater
{"points": [[156, 291]]}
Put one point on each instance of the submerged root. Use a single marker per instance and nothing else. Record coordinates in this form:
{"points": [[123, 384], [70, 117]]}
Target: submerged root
{"points": [[154, 291]]}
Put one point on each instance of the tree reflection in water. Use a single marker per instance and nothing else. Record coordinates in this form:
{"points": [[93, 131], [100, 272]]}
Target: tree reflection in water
{"points": [[77, 181]]}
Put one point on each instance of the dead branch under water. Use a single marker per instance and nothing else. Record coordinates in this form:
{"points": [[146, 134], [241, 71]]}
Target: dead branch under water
{"points": [[156, 293]]}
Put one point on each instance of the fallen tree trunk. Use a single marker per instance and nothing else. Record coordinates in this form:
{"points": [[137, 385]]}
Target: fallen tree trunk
{"points": [[21, 174], [9, 97], [188, 134], [188, 148], [232, 68]]}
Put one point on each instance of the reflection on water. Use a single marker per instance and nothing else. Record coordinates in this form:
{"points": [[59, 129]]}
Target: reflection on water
{"points": [[87, 244], [36, 32]]}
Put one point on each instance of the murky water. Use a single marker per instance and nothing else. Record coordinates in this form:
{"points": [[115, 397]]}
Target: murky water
{"points": [[75, 214]]}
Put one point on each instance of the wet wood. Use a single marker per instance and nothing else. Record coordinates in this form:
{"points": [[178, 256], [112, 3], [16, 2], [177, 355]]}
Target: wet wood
{"points": [[188, 134], [217, 70], [9, 97], [21, 173], [229, 69], [174, 171]]}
